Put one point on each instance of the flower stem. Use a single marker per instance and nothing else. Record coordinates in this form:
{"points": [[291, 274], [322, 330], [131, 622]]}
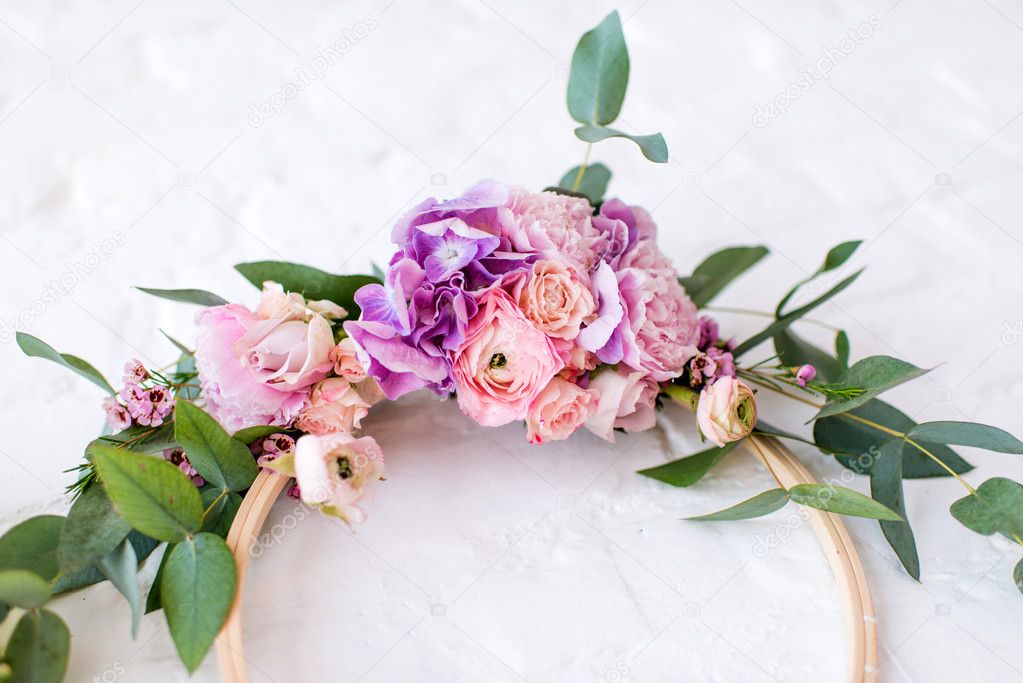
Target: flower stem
{"points": [[582, 169], [213, 504]]}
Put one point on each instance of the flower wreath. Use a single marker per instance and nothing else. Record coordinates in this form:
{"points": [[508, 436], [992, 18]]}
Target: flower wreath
{"points": [[554, 308]]}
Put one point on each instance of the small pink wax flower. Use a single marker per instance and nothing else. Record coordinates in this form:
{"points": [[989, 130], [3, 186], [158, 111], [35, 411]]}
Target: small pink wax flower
{"points": [[118, 417], [804, 374]]}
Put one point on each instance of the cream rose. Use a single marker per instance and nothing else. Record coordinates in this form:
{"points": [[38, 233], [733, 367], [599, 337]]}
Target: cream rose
{"points": [[556, 298]]}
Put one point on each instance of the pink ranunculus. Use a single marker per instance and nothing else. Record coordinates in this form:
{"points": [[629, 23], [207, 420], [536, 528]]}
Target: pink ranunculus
{"points": [[626, 402], [552, 224], [726, 411], [557, 299], [337, 472], [560, 409], [335, 405], [504, 362], [255, 371], [345, 358]]}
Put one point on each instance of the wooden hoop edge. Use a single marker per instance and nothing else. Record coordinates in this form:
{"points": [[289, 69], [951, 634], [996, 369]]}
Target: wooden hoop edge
{"points": [[834, 539]]}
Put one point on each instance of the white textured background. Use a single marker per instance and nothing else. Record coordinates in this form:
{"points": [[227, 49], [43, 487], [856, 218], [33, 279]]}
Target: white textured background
{"points": [[130, 158]]}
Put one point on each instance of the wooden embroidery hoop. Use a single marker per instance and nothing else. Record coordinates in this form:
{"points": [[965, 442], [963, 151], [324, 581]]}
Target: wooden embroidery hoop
{"points": [[861, 624]]}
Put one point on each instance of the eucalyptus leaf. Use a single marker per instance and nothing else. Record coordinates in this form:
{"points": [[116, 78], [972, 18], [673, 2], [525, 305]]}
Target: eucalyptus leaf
{"points": [[593, 184], [93, 529], [121, 566], [600, 73], [38, 649], [310, 282], [220, 508], [224, 462], [689, 470], [22, 588], [855, 443], [139, 438], [996, 507], [840, 500], [835, 258], [143, 545], [652, 146], [199, 297], [1017, 575], [196, 590], [153, 599], [875, 375], [249, 435], [764, 428], [968, 434], [784, 321], [154, 496], [33, 346], [759, 505], [32, 545], [186, 366], [718, 270], [842, 349], [793, 350], [886, 488], [179, 345]]}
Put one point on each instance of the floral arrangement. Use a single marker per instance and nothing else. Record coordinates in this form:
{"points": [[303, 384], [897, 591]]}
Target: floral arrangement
{"points": [[556, 309]]}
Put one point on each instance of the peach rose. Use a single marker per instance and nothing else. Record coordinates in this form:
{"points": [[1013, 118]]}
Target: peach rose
{"points": [[727, 411], [560, 409], [334, 406], [556, 298], [346, 361], [503, 364], [281, 305]]}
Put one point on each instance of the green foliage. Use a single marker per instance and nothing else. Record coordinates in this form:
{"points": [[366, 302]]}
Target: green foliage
{"points": [[220, 508], [22, 588], [968, 434], [996, 507], [875, 375], [154, 496], [835, 258], [38, 649], [842, 349], [33, 346], [310, 282], [121, 566], [886, 488], [93, 529], [153, 600], [652, 146], [840, 500], [593, 183], [32, 546], [1017, 575], [199, 297], [718, 270], [757, 506], [196, 589], [143, 546], [224, 462], [139, 438], [689, 470], [600, 74], [793, 350], [250, 435]]}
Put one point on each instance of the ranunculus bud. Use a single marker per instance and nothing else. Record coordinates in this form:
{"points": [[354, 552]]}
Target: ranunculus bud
{"points": [[727, 411]]}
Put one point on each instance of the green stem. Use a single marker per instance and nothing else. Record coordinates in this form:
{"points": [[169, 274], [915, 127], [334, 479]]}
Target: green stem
{"points": [[582, 169], [765, 314], [213, 504], [682, 395]]}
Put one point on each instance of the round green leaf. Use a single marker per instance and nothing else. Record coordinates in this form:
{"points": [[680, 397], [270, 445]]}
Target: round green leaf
{"points": [[92, 530], [875, 375], [600, 73], [689, 470], [33, 346], [757, 506], [968, 434], [32, 545], [22, 588], [997, 506], [196, 590], [38, 649], [224, 462], [154, 496], [840, 500]]}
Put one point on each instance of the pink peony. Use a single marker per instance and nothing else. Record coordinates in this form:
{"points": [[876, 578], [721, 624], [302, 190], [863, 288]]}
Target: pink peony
{"points": [[504, 362], [560, 409], [556, 298], [727, 411], [334, 406], [346, 361], [255, 371], [626, 402], [555, 225], [336, 472]]}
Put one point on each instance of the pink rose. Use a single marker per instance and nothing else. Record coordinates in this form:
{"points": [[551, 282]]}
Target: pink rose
{"points": [[556, 299], [336, 472], [626, 402], [727, 411], [277, 304], [255, 371], [334, 406], [346, 361], [552, 224], [560, 409], [503, 363]]}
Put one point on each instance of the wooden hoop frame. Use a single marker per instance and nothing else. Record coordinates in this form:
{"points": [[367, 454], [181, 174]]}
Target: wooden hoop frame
{"points": [[861, 624]]}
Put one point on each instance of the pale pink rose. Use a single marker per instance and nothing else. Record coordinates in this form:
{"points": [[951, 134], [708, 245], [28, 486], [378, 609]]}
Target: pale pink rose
{"points": [[557, 299], [346, 361], [503, 363], [552, 224], [334, 406], [255, 371], [277, 304], [727, 411], [560, 409], [577, 360], [626, 402], [337, 472]]}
